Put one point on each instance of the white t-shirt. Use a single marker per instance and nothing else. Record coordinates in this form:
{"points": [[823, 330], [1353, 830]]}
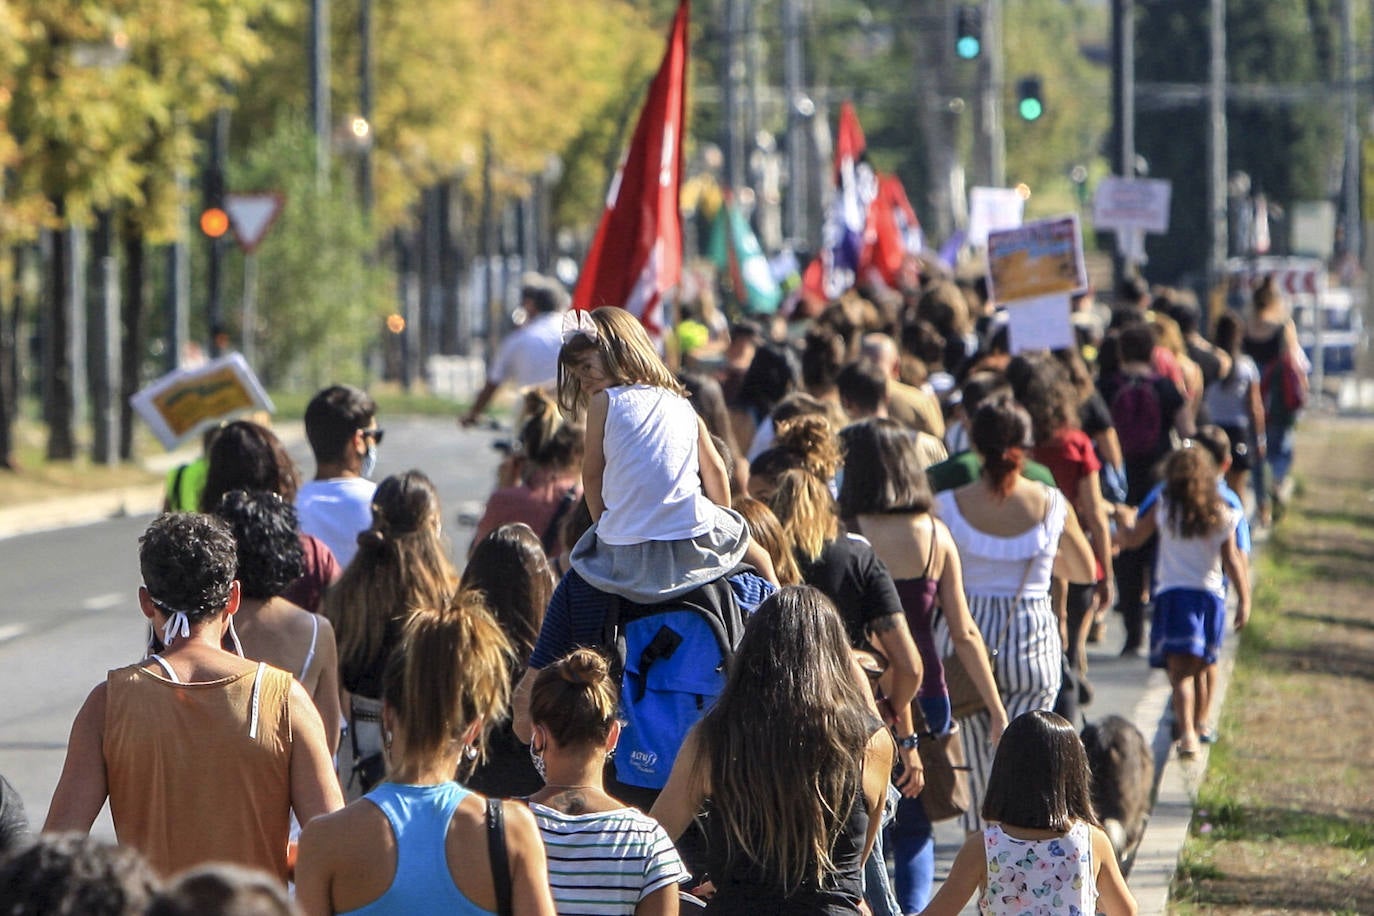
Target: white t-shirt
{"points": [[1192, 562], [652, 482], [529, 356], [336, 511]]}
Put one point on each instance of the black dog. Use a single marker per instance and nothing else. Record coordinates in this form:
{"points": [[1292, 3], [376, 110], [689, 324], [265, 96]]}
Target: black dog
{"points": [[1123, 780]]}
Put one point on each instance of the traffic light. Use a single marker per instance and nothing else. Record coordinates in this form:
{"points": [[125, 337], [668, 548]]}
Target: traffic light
{"points": [[968, 32], [214, 221], [1029, 103]]}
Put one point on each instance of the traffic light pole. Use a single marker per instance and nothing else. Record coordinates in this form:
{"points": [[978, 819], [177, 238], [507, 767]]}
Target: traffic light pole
{"points": [[214, 305], [993, 74], [1123, 110]]}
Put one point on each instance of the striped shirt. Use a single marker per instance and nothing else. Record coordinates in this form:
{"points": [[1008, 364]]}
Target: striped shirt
{"points": [[606, 862]]}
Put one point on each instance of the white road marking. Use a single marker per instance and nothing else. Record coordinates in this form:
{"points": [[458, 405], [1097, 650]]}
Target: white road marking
{"points": [[103, 602], [12, 631]]}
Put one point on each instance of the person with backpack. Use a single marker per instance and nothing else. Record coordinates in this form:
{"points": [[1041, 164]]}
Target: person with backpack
{"points": [[1271, 340], [1145, 407], [792, 765]]}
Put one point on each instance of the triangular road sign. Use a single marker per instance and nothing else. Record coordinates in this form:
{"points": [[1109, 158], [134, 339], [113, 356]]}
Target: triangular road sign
{"points": [[252, 215]]}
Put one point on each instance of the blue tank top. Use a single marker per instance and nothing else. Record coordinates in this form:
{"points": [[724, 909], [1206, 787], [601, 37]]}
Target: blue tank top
{"points": [[420, 817]]}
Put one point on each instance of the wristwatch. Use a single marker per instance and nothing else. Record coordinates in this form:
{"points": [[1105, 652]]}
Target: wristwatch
{"points": [[910, 742]]}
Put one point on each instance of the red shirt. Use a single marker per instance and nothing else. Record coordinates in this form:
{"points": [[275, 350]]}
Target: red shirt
{"points": [[1070, 456]]}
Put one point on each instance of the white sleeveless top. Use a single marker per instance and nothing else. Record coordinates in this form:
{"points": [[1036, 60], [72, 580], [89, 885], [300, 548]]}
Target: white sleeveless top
{"points": [[994, 565], [1040, 877], [652, 482]]}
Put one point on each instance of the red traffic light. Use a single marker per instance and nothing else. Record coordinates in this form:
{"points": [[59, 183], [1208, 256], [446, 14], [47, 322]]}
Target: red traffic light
{"points": [[214, 222]]}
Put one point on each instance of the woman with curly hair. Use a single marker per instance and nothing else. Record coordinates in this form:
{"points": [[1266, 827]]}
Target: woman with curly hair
{"points": [[791, 765], [402, 563], [270, 628], [1013, 535], [246, 456]]}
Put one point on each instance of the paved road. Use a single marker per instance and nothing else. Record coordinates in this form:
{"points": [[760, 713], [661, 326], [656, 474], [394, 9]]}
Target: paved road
{"points": [[69, 612]]}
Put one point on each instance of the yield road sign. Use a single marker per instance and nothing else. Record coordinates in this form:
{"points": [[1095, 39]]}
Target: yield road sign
{"points": [[252, 215]]}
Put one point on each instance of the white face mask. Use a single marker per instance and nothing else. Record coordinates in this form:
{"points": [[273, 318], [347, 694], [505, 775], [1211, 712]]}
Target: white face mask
{"points": [[369, 461]]}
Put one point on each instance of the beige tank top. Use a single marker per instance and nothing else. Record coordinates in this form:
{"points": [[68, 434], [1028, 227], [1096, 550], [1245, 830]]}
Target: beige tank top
{"points": [[200, 772]]}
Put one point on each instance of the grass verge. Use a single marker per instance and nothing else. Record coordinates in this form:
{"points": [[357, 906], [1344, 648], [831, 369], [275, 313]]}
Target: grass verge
{"points": [[1284, 820]]}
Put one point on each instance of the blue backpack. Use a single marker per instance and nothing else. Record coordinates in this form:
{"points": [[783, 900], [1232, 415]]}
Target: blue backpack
{"points": [[673, 659]]}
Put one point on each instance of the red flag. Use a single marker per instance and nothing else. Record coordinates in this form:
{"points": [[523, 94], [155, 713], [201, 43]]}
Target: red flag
{"points": [[636, 255], [893, 230]]}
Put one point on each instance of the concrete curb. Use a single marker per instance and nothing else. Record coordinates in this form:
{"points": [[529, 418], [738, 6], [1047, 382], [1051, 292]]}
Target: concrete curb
{"points": [[87, 509], [1176, 785], [90, 508]]}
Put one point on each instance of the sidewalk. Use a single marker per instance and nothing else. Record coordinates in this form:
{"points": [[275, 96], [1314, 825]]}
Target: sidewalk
{"points": [[88, 508]]}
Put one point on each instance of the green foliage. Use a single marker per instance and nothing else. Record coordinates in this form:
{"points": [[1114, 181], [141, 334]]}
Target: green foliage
{"points": [[320, 301]]}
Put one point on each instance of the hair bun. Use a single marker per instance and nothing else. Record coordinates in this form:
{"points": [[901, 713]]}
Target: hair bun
{"points": [[812, 440], [371, 538], [586, 668]]}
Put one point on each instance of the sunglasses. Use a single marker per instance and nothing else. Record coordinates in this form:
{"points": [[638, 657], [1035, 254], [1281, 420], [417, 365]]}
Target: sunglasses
{"points": [[375, 435]]}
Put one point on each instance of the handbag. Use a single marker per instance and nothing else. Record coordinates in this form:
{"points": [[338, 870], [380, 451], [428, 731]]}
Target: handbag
{"points": [[946, 793]]}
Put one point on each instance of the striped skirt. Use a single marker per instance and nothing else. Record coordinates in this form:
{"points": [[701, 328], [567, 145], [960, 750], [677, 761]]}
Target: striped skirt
{"points": [[1027, 668]]}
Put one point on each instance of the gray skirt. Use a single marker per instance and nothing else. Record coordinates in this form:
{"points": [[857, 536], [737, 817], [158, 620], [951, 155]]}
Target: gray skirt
{"points": [[655, 571]]}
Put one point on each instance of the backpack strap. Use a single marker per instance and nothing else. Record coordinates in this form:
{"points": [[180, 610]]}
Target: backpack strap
{"points": [[500, 859]]}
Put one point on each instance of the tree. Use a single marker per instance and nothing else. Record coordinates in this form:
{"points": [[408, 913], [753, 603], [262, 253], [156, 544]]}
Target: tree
{"points": [[1288, 150]]}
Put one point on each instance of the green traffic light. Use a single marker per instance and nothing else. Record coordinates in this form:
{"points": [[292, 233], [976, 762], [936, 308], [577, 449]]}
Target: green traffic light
{"points": [[968, 47], [1031, 109]]}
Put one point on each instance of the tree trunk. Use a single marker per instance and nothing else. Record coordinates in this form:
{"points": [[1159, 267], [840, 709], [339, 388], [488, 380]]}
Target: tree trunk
{"points": [[58, 403], [9, 357], [134, 304]]}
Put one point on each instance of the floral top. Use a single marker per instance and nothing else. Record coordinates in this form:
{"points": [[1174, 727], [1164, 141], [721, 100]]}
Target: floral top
{"points": [[1051, 877]]}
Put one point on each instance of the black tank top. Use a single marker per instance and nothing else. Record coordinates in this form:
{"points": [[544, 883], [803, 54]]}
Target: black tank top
{"points": [[744, 888]]}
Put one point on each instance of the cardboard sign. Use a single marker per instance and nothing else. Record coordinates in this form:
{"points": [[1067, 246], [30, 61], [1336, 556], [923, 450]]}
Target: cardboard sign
{"points": [[1036, 260], [1041, 324], [991, 209], [182, 403], [1132, 203]]}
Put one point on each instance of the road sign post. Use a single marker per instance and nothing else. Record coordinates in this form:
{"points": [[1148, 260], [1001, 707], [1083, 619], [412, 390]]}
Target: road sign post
{"points": [[251, 216]]}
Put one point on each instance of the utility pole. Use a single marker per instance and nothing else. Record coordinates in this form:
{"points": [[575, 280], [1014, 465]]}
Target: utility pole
{"points": [[992, 75], [365, 105], [734, 145], [1123, 111], [319, 87], [214, 192], [1216, 146], [1350, 181], [795, 228]]}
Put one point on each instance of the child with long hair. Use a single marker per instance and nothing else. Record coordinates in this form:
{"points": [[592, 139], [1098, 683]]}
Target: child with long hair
{"points": [[655, 484], [1043, 848], [1197, 543]]}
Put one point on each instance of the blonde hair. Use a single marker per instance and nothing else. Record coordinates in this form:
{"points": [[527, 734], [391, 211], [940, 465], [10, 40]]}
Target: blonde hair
{"points": [[575, 698], [625, 348], [802, 500], [768, 533], [452, 670], [402, 564]]}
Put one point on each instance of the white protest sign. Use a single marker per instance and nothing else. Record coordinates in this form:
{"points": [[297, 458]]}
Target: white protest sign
{"points": [[1045, 323], [991, 209], [1132, 203], [185, 401]]}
